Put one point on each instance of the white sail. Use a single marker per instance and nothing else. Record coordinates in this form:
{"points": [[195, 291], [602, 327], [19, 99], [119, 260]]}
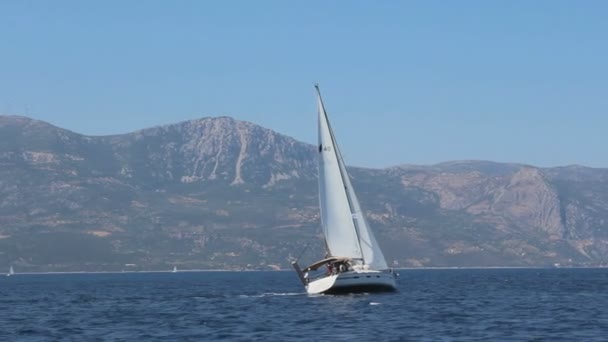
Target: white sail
{"points": [[11, 271], [346, 230], [336, 219], [372, 254]]}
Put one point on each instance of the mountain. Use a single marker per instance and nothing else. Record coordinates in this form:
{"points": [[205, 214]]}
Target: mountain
{"points": [[218, 193]]}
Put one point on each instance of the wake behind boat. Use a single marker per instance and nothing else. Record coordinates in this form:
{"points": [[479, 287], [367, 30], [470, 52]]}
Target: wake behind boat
{"points": [[354, 260]]}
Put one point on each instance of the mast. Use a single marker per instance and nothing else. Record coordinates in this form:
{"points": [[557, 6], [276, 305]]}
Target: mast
{"points": [[343, 174]]}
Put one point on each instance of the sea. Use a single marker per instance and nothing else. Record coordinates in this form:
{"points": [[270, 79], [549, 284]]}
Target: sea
{"points": [[430, 305]]}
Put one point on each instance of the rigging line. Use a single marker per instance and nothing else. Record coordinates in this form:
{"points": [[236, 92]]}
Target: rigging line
{"points": [[304, 250]]}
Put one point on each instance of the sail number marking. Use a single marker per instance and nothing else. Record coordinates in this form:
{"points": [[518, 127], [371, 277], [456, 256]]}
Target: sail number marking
{"points": [[324, 148]]}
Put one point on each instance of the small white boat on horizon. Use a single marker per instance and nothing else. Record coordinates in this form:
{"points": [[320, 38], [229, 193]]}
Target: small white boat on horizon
{"points": [[174, 269], [11, 271], [354, 261]]}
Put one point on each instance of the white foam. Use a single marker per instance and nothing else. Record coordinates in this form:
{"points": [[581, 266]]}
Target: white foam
{"points": [[272, 294]]}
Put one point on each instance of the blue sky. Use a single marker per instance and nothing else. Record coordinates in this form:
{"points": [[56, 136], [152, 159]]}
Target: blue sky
{"points": [[415, 82]]}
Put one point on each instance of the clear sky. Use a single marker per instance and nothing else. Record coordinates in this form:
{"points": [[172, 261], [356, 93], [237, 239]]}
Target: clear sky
{"points": [[415, 82]]}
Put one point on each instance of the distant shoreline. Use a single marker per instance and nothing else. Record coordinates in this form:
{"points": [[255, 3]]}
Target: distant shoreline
{"points": [[288, 270]]}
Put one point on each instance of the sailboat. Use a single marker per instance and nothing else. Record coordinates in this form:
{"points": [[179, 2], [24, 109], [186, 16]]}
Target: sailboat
{"points": [[174, 269], [354, 261], [10, 271]]}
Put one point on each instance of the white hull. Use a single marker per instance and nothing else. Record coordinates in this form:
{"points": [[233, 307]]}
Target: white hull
{"points": [[353, 281]]}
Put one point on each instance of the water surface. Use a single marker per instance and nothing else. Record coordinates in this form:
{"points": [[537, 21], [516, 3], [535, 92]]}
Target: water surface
{"points": [[431, 305]]}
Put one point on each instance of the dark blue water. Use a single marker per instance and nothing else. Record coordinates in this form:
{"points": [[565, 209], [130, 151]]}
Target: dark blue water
{"points": [[431, 305]]}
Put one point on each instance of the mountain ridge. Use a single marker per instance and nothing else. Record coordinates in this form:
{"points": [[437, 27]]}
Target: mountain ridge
{"points": [[223, 193]]}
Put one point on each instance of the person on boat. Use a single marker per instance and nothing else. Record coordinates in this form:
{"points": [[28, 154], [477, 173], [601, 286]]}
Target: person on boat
{"points": [[330, 269]]}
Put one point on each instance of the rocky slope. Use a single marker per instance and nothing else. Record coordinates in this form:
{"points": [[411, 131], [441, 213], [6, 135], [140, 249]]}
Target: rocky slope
{"points": [[222, 193]]}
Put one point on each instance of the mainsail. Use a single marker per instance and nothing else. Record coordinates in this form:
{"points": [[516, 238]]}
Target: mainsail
{"points": [[346, 231]]}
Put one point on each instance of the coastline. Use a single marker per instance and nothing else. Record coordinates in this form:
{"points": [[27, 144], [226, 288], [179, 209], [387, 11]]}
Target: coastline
{"points": [[288, 270]]}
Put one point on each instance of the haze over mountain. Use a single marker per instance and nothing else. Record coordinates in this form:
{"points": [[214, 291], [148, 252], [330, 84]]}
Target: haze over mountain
{"points": [[222, 193]]}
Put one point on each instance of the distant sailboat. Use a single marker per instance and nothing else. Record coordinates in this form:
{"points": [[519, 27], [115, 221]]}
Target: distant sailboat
{"points": [[174, 269], [10, 271], [354, 260]]}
